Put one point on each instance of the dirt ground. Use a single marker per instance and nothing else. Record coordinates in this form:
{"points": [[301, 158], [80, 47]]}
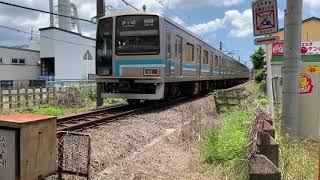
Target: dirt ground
{"points": [[154, 145]]}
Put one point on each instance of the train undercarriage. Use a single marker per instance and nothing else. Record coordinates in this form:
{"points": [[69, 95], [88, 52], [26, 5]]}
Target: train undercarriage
{"points": [[133, 92]]}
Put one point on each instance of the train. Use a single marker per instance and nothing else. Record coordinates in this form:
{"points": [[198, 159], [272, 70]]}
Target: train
{"points": [[147, 56]]}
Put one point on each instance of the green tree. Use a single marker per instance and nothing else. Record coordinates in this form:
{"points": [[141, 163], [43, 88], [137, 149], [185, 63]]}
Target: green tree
{"points": [[257, 58]]}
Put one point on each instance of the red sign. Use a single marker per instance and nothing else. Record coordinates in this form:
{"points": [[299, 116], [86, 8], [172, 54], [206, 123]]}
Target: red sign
{"points": [[265, 17], [306, 85], [278, 49], [307, 48]]}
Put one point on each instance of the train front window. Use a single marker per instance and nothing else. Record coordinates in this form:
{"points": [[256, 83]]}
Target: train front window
{"points": [[137, 35]]}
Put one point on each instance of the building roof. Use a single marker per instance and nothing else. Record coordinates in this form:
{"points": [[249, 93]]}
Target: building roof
{"points": [[306, 20], [18, 49], [49, 28]]}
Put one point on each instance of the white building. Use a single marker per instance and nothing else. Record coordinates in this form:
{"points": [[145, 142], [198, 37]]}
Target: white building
{"points": [[66, 55], [19, 64]]}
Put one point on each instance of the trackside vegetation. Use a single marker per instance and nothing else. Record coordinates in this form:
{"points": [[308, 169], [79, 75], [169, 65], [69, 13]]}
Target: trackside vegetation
{"points": [[226, 146]]}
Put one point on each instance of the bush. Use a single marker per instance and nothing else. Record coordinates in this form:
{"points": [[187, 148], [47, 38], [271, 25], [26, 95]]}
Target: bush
{"points": [[70, 98], [259, 75]]}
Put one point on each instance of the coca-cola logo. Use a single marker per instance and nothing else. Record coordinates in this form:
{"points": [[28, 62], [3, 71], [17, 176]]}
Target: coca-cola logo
{"points": [[278, 49]]}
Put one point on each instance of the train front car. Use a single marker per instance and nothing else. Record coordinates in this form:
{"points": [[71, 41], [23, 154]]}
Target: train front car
{"points": [[128, 62]]}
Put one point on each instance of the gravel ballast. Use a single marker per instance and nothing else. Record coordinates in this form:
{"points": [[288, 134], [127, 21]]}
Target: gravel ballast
{"points": [[158, 144]]}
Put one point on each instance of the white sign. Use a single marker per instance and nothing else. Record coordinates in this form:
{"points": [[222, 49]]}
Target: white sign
{"points": [[266, 40], [8, 156], [265, 17]]}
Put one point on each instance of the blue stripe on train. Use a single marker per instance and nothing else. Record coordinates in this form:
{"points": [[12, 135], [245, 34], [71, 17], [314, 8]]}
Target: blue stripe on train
{"points": [[138, 63]]}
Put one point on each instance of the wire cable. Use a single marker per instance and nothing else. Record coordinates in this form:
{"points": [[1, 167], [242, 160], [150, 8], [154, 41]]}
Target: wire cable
{"points": [[129, 4], [43, 11], [47, 37]]}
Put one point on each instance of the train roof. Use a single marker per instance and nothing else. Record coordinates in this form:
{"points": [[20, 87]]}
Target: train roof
{"points": [[123, 13]]}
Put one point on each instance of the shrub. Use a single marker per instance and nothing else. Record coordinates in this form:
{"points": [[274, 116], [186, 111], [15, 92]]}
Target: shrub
{"points": [[259, 75], [70, 98]]}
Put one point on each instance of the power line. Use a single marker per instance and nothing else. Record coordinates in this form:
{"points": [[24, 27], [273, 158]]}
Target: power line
{"points": [[47, 12], [129, 4], [47, 37]]}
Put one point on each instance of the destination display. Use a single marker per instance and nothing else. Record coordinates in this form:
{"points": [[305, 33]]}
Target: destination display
{"points": [[125, 23]]}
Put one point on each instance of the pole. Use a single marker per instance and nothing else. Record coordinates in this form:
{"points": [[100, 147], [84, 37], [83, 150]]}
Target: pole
{"points": [[269, 82], [291, 68], [100, 86], [51, 13], [101, 8]]}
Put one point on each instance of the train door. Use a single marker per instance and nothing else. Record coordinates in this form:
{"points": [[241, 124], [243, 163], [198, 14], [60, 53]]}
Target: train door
{"points": [[104, 47], [170, 68], [199, 60], [178, 53], [211, 63]]}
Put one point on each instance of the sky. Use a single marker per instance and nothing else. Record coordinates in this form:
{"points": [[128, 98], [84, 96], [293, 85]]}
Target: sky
{"points": [[226, 21]]}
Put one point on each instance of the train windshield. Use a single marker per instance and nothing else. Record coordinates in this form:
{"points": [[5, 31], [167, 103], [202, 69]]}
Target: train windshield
{"points": [[137, 35]]}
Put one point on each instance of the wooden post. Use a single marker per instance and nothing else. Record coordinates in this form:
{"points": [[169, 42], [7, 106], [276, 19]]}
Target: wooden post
{"points": [[26, 96], [41, 95], [34, 96], [18, 98], [10, 99], [1, 100], [48, 94]]}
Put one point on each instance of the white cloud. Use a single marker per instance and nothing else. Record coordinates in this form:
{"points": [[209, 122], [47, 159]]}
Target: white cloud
{"points": [[238, 24], [192, 3], [179, 20], [208, 27]]}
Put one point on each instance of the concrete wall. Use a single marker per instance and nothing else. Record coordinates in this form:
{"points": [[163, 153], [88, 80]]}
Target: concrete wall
{"points": [[68, 49], [29, 71]]}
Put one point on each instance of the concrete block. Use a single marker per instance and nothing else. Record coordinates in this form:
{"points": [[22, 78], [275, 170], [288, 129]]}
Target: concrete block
{"points": [[268, 147], [261, 168], [268, 128]]}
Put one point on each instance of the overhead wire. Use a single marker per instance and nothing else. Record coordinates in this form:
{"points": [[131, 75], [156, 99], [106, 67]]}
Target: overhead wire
{"points": [[43, 11], [47, 37], [129, 4]]}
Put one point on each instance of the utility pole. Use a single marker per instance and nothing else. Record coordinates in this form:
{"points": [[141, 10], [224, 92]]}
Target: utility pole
{"points": [[291, 68], [101, 11]]}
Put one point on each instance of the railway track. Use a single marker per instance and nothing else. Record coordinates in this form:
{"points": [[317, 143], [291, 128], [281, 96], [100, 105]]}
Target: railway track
{"points": [[110, 114], [96, 116]]}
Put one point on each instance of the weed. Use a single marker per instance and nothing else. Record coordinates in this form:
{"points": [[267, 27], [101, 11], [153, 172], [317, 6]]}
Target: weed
{"points": [[227, 145]]}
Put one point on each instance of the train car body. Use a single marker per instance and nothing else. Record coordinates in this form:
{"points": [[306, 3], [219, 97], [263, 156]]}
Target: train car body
{"points": [[147, 56]]}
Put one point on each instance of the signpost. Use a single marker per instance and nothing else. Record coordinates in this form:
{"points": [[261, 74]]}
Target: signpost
{"points": [[266, 40], [265, 22], [265, 17]]}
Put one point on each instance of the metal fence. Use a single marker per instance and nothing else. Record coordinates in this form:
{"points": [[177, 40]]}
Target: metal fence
{"points": [[74, 157]]}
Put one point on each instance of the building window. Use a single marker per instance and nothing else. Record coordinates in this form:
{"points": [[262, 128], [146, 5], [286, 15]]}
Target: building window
{"points": [[18, 61]]}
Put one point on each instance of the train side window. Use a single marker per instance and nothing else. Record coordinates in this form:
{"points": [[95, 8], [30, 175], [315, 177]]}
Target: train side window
{"points": [[190, 52], [205, 57], [169, 45]]}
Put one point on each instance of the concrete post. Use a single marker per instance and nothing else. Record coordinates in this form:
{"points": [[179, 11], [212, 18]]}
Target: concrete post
{"points": [[269, 82], [291, 68], [51, 13], [101, 8]]}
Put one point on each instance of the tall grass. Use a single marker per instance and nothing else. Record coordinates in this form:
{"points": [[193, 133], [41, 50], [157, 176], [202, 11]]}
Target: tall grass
{"points": [[298, 157], [227, 145]]}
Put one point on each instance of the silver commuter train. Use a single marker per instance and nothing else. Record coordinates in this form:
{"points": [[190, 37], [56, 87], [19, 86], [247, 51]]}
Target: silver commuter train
{"points": [[148, 56]]}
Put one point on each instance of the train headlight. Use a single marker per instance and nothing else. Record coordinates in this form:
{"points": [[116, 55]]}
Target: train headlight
{"points": [[151, 71]]}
